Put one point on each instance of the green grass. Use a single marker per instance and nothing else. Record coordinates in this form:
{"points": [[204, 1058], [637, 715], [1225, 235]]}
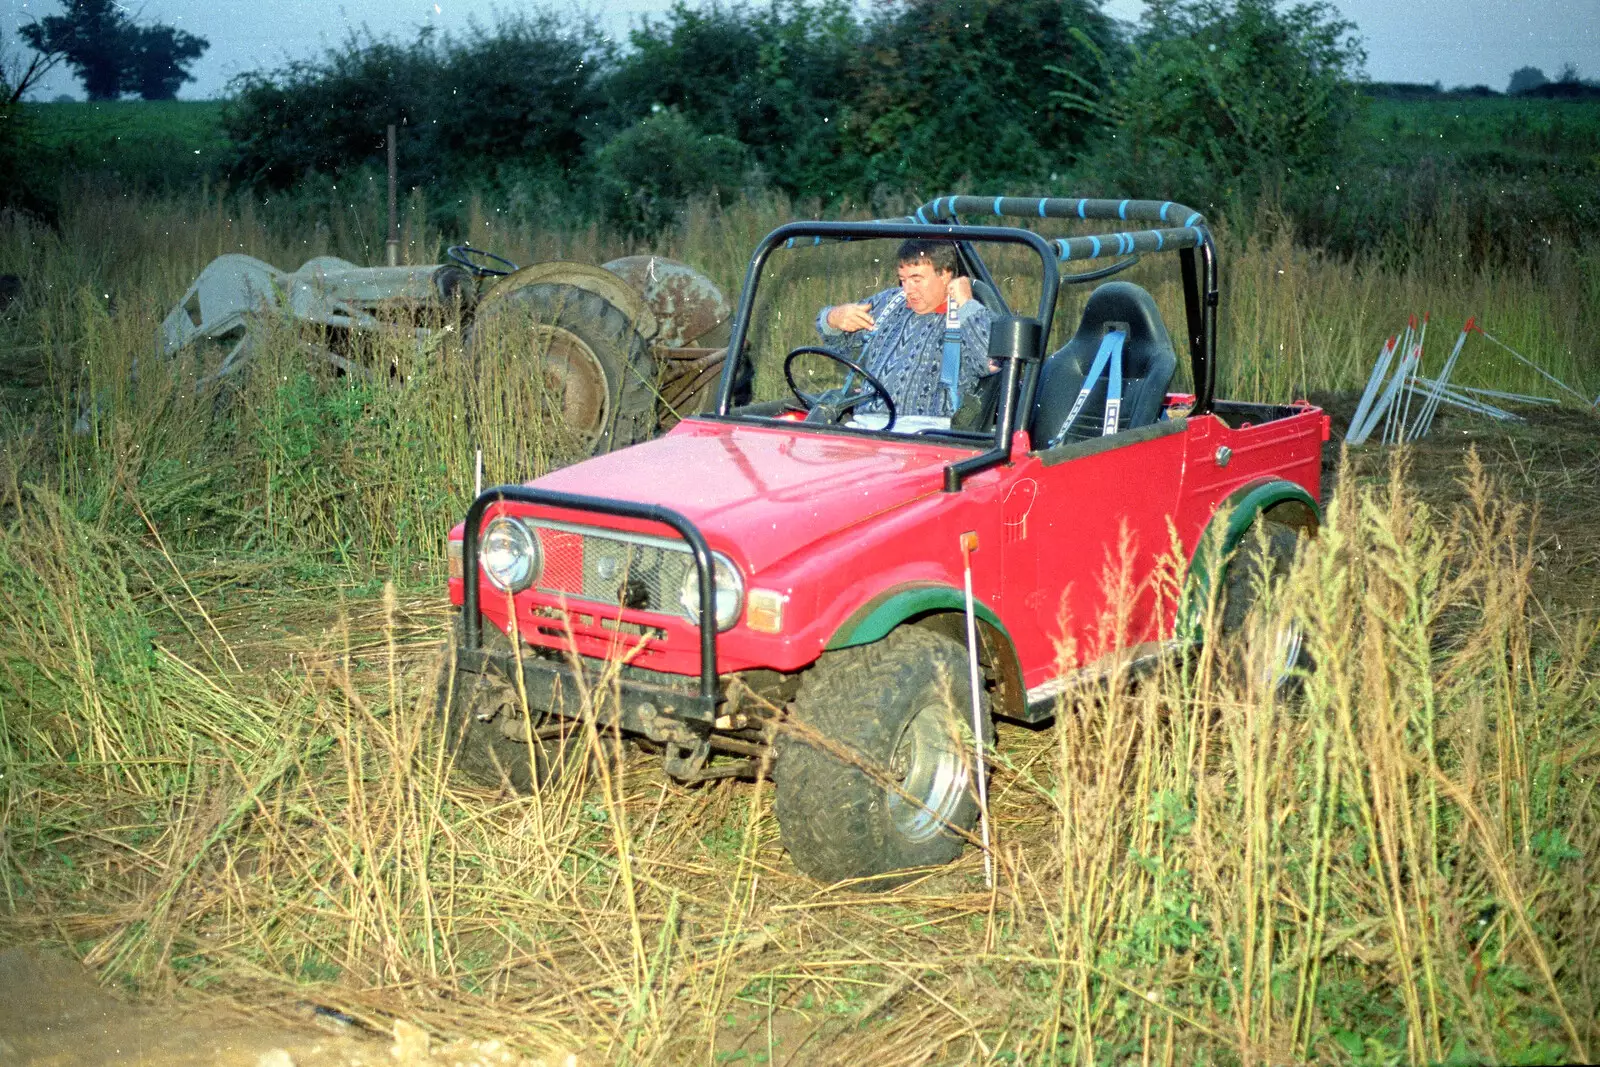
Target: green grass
{"points": [[146, 144], [1487, 132], [1498, 177]]}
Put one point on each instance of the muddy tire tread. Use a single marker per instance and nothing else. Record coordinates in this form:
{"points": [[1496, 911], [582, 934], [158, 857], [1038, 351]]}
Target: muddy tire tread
{"points": [[831, 814]]}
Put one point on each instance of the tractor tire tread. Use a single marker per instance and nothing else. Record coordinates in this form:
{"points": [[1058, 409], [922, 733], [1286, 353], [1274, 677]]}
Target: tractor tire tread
{"points": [[624, 354]]}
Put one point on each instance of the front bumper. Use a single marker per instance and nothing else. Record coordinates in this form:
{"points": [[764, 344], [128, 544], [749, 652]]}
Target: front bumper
{"points": [[679, 718], [661, 712]]}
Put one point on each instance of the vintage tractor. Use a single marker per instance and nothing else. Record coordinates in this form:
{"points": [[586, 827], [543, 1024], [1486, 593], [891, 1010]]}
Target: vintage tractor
{"points": [[624, 349]]}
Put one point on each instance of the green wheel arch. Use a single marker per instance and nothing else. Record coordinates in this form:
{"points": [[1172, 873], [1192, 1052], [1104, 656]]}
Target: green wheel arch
{"points": [[941, 607], [1285, 501], [874, 619]]}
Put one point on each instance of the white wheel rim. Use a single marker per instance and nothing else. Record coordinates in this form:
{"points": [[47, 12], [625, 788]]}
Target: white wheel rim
{"points": [[1279, 663], [930, 778], [570, 372]]}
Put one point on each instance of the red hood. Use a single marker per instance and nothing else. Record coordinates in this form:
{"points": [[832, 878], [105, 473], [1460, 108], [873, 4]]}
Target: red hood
{"points": [[763, 492]]}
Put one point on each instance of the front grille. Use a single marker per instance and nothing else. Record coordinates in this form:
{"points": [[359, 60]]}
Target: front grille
{"points": [[612, 568]]}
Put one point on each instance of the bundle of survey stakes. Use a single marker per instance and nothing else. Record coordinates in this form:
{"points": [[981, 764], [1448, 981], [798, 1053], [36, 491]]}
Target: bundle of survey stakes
{"points": [[1405, 402]]}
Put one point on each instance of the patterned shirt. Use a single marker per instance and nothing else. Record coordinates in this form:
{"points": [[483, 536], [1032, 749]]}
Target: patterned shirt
{"points": [[905, 351]]}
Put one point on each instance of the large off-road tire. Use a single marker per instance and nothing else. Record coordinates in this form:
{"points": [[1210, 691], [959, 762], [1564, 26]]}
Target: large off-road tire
{"points": [[593, 366], [479, 745], [875, 770], [491, 738], [1267, 654]]}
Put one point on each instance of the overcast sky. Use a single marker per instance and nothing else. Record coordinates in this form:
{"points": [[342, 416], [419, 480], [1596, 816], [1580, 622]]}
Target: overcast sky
{"points": [[1457, 42]]}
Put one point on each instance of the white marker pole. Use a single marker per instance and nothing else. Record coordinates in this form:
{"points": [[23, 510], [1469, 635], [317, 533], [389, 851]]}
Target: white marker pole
{"points": [[1405, 415], [969, 543], [1547, 375], [477, 476], [1374, 383], [1408, 354], [1430, 407], [1359, 434]]}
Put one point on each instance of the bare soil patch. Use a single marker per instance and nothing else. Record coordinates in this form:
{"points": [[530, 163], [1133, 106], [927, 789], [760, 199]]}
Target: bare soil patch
{"points": [[1550, 461]]}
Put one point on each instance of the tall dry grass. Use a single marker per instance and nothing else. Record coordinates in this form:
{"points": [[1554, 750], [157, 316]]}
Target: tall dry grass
{"points": [[1398, 866], [361, 473]]}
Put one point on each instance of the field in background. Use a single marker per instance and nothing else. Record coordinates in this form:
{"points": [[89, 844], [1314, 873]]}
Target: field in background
{"points": [[221, 778], [141, 143], [1506, 132], [1495, 177], [1293, 321]]}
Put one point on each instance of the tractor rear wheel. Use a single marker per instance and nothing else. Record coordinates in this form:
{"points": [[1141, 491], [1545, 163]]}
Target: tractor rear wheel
{"points": [[592, 372], [875, 772]]}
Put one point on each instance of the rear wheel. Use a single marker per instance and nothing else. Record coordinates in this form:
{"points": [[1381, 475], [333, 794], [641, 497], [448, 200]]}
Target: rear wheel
{"points": [[876, 772], [1268, 647], [591, 369]]}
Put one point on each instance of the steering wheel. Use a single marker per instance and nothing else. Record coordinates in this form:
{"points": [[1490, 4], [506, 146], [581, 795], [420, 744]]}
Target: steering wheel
{"points": [[834, 404], [462, 256]]}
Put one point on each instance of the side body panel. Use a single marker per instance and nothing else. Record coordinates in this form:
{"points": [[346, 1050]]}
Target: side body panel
{"points": [[1090, 545], [1289, 449], [1082, 552], [1070, 541]]}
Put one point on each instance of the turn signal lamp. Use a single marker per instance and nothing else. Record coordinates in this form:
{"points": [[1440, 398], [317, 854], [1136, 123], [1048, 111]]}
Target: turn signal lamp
{"points": [[764, 611]]}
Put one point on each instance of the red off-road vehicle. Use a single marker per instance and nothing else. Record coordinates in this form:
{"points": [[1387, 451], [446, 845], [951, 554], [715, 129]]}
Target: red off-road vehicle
{"points": [[782, 577]]}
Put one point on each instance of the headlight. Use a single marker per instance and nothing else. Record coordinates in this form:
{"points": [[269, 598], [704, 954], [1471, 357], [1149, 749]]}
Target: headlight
{"points": [[729, 596], [509, 553]]}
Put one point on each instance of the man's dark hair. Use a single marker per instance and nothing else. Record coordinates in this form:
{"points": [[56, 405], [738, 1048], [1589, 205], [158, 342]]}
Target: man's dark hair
{"points": [[942, 254]]}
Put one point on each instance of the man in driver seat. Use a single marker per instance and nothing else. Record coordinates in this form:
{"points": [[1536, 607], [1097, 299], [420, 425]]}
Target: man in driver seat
{"points": [[902, 335]]}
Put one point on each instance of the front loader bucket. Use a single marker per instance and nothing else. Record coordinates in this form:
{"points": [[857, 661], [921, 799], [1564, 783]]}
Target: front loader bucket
{"points": [[230, 289]]}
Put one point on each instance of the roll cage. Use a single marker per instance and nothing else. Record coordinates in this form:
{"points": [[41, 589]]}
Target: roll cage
{"points": [[939, 219]]}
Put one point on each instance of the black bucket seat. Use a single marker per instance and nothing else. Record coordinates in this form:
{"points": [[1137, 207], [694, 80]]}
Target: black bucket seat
{"points": [[1148, 363]]}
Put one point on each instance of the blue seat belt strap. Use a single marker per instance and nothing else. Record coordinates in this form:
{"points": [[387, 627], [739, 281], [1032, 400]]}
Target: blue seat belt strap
{"points": [[1110, 353], [1114, 388], [950, 365]]}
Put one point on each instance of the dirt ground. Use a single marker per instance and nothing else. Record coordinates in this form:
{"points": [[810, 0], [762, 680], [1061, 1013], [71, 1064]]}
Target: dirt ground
{"points": [[1550, 461], [53, 1012]]}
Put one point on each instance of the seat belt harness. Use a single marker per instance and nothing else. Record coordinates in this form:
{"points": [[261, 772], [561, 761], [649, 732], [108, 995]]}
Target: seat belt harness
{"points": [[1114, 388], [950, 365], [1110, 354]]}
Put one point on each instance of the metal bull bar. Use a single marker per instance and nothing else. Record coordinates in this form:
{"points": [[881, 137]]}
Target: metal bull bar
{"points": [[472, 617]]}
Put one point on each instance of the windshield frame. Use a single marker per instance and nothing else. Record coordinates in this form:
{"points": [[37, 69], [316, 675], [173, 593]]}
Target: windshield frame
{"points": [[844, 231]]}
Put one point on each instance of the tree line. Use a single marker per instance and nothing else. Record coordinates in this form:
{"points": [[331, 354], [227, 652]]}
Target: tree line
{"points": [[109, 51], [1202, 99]]}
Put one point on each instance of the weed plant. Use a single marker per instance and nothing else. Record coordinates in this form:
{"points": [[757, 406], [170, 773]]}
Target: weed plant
{"points": [[1398, 865]]}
